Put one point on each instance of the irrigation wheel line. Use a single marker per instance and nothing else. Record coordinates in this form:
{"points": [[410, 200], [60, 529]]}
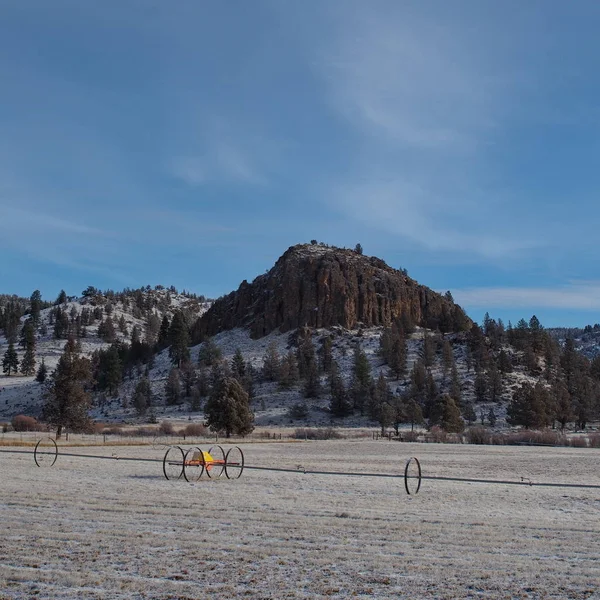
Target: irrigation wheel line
{"points": [[193, 468], [419, 477], [215, 470], [233, 463], [171, 459], [38, 454]]}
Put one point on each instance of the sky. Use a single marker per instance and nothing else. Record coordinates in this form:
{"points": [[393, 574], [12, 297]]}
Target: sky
{"points": [[190, 143]]}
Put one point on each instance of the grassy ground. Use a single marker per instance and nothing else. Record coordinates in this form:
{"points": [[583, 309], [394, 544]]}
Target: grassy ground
{"points": [[115, 529]]}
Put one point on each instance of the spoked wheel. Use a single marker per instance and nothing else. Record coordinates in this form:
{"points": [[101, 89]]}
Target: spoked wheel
{"points": [[45, 452], [234, 463], [215, 470], [193, 464], [412, 476], [173, 462]]}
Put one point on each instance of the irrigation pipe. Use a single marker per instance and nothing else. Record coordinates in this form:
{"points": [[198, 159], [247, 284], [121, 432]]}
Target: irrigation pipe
{"points": [[304, 471]]}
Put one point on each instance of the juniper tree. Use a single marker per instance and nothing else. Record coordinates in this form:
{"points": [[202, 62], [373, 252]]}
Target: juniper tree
{"points": [[446, 414], [288, 371], [238, 366], [67, 400], [228, 409]]}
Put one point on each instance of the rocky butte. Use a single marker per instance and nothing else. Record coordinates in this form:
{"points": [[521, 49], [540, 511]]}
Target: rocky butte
{"points": [[321, 286]]}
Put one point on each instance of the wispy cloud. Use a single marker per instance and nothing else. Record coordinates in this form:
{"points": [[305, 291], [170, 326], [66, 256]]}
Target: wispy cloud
{"points": [[582, 295], [221, 162], [427, 102]]}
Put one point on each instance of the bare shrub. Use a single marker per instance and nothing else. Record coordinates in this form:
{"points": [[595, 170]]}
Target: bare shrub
{"points": [[438, 435], [194, 430], [594, 440], [546, 437], [25, 423], [578, 441], [143, 431], [113, 430], [165, 428], [327, 433], [6, 427], [479, 435], [410, 436]]}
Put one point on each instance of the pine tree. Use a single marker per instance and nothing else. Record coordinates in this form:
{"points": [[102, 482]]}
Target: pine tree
{"points": [[564, 409], [398, 355], [312, 384], [110, 371], [35, 306], [326, 354], [339, 405], [173, 387], [67, 401], [106, 330], [42, 373], [427, 350], [188, 376], [10, 362], [142, 397], [228, 409], [361, 379], [495, 385], [238, 366], [163, 334], [455, 387], [288, 371], [469, 413], [179, 340], [447, 357], [271, 360], [62, 298], [480, 387], [28, 361]]}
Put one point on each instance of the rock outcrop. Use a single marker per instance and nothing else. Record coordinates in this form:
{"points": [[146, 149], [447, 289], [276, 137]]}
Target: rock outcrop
{"points": [[320, 286]]}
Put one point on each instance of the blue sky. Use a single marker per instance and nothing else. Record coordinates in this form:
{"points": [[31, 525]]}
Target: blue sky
{"points": [[190, 143]]}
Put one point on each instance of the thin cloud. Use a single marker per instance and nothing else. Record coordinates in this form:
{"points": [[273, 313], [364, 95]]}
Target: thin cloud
{"points": [[573, 296]]}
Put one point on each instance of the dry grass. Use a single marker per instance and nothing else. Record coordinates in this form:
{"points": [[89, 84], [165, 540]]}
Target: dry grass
{"points": [[118, 530]]}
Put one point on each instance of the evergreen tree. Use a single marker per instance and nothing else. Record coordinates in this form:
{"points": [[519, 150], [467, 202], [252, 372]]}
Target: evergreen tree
{"points": [[480, 387], [469, 413], [163, 334], [494, 383], [398, 355], [447, 357], [173, 387], [110, 370], [209, 353], [564, 410], [42, 373], [62, 298], [106, 330], [228, 409], [288, 371], [238, 366], [326, 354], [271, 361], [427, 350], [306, 353], [446, 414], [504, 362], [527, 407], [188, 375], [413, 412], [179, 340], [492, 417], [361, 379], [61, 324], [312, 383], [35, 306], [67, 401], [339, 404], [142, 396], [28, 361], [455, 387], [10, 362]]}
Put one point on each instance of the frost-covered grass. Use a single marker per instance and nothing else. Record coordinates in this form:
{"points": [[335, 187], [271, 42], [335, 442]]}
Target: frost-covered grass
{"points": [[115, 529]]}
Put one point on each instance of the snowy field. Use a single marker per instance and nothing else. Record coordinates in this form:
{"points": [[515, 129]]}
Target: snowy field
{"points": [[115, 529]]}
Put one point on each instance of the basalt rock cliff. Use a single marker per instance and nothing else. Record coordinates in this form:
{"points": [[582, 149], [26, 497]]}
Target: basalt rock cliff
{"points": [[320, 286]]}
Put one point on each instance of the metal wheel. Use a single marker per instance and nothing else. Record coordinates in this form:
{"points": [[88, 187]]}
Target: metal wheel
{"points": [[45, 452], [412, 471], [193, 467], [215, 470], [234, 463], [173, 462]]}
